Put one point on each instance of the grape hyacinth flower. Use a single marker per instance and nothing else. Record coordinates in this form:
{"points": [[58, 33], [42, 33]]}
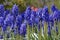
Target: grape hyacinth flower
{"points": [[1, 21], [31, 20], [6, 13], [59, 15], [19, 20], [15, 10], [37, 21], [27, 13], [1, 9], [45, 14], [22, 16], [39, 13], [23, 29], [8, 25], [51, 21], [33, 12], [4, 28], [55, 15], [9, 20], [53, 8]]}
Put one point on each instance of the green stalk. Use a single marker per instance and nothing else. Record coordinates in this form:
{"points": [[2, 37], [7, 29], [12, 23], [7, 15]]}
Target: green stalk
{"points": [[58, 25], [54, 30], [1, 32], [39, 32], [18, 36], [5, 34], [28, 32], [9, 31], [39, 35], [45, 30], [21, 37], [12, 36], [33, 31], [52, 34]]}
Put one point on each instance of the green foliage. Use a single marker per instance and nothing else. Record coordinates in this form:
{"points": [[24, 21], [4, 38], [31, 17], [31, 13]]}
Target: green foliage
{"points": [[24, 3], [1, 1]]}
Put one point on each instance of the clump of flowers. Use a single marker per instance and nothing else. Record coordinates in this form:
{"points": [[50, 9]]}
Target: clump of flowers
{"points": [[33, 23]]}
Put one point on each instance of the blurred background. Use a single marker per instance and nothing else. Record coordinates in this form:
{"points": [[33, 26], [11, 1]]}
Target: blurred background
{"points": [[24, 3]]}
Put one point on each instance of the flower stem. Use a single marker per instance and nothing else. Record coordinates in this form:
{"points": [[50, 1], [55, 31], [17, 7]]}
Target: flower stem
{"points": [[39, 31], [28, 32], [45, 30], [12, 36]]}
